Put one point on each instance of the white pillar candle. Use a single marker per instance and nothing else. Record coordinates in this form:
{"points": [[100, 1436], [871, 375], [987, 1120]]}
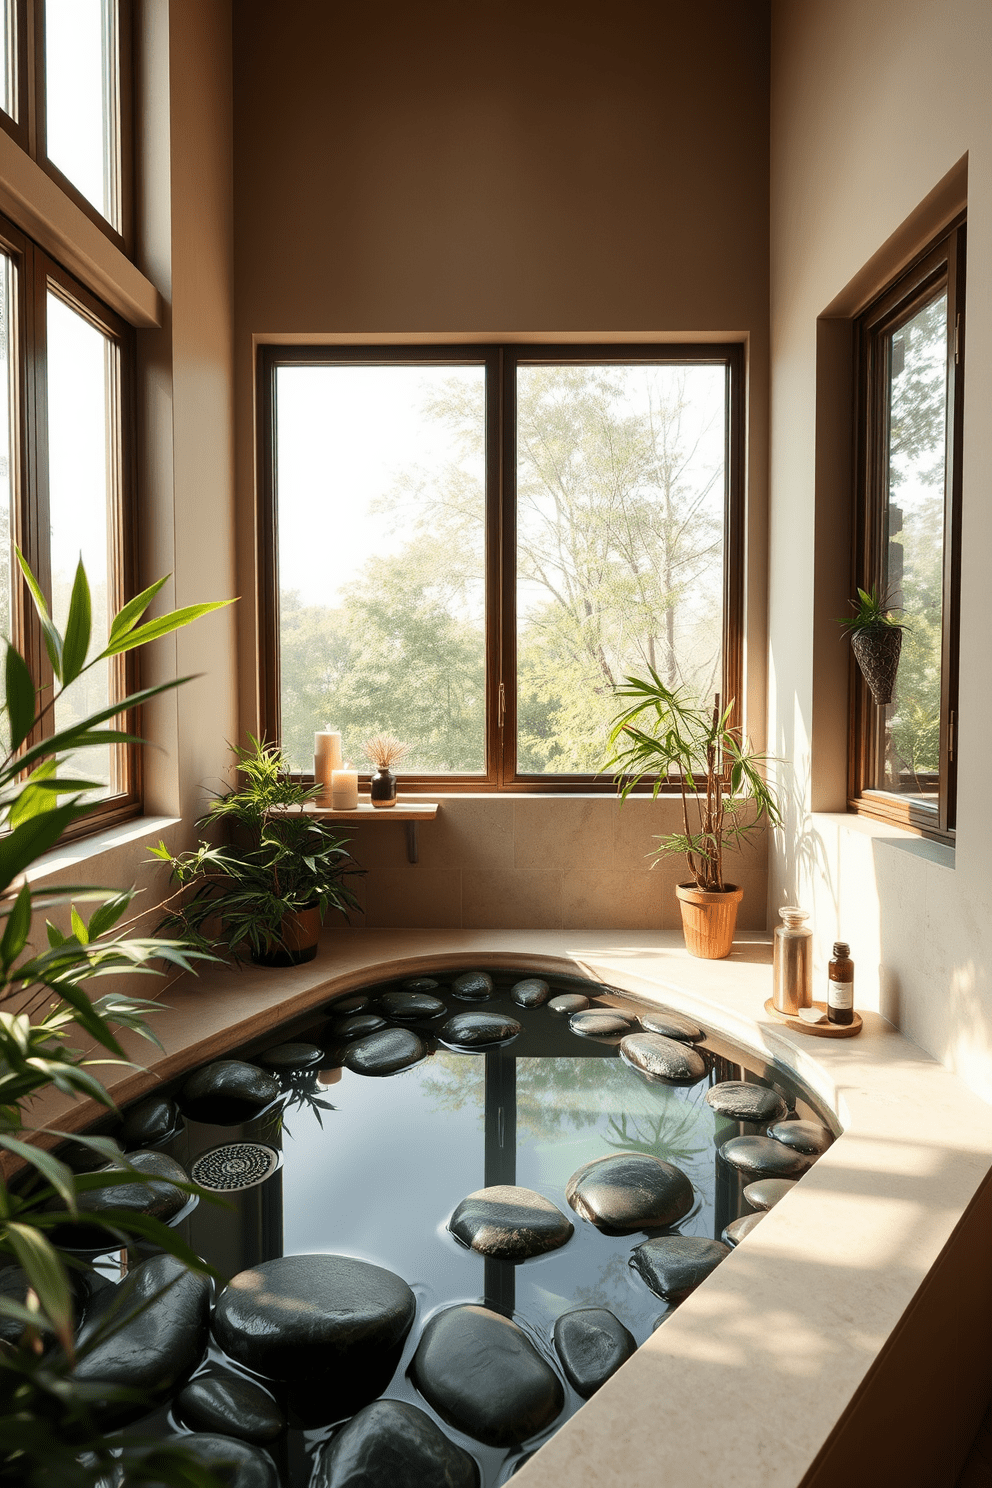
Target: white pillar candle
{"points": [[344, 789], [327, 757]]}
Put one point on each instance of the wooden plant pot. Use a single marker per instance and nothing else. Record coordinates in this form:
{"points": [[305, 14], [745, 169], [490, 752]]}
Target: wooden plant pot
{"points": [[299, 931], [708, 919]]}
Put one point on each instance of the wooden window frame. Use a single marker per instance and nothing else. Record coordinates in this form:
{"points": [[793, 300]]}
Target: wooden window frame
{"points": [[34, 274], [501, 361], [941, 264]]}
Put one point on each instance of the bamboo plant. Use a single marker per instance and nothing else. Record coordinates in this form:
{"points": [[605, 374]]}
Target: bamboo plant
{"points": [[665, 737]]}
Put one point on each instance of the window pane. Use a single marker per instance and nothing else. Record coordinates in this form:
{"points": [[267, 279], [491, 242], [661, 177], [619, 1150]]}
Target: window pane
{"points": [[81, 461], [80, 98], [381, 521], [620, 521], [913, 543], [6, 422], [8, 101]]}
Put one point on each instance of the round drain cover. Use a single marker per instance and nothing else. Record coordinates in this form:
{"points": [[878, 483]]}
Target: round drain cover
{"points": [[235, 1165]]}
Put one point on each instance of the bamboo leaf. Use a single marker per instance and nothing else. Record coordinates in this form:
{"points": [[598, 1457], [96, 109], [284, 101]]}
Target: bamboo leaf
{"points": [[153, 630], [46, 1273], [32, 838], [53, 639], [57, 1173], [77, 627], [21, 697], [78, 926], [15, 933], [127, 618]]}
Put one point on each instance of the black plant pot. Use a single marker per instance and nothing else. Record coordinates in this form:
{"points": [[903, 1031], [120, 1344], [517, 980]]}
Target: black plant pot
{"points": [[876, 650], [383, 788]]}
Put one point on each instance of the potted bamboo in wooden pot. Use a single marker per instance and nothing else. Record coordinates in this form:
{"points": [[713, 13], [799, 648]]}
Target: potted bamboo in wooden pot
{"points": [[663, 736]]}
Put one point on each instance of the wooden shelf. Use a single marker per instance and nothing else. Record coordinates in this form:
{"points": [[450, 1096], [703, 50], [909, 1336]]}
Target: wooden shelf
{"points": [[412, 813]]}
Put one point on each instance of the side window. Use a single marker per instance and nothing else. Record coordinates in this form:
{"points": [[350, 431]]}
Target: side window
{"points": [[911, 352]]}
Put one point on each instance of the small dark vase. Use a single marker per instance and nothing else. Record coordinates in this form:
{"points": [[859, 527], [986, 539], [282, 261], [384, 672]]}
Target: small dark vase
{"points": [[299, 931], [876, 649], [383, 787]]}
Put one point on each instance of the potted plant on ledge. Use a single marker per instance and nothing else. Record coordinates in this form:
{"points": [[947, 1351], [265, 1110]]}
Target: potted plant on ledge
{"points": [[266, 891], [663, 735]]}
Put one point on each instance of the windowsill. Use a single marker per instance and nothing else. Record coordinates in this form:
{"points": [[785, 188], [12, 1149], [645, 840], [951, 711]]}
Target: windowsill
{"points": [[82, 850], [926, 848]]}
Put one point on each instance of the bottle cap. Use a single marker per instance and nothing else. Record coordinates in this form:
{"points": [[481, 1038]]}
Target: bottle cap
{"points": [[793, 915], [841, 949]]}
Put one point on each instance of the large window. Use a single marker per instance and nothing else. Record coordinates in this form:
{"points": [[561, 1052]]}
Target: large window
{"points": [[470, 547], [65, 370], [911, 356]]}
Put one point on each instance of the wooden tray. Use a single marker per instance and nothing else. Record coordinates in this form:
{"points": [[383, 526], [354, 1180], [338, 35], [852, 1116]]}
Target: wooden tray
{"points": [[818, 1030]]}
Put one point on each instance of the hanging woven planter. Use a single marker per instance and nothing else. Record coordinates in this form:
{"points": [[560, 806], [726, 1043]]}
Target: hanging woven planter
{"points": [[876, 649]]}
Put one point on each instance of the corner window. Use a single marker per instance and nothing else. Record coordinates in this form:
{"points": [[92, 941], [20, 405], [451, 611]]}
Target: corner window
{"points": [[82, 100], [470, 547], [911, 355]]}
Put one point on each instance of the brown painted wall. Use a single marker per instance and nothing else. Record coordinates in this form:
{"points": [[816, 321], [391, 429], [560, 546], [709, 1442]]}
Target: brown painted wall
{"points": [[486, 171]]}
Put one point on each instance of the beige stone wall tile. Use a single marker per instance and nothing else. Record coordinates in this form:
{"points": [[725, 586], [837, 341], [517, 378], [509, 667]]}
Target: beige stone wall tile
{"points": [[414, 896], [609, 899], [559, 832], [469, 832], [529, 901], [638, 821]]}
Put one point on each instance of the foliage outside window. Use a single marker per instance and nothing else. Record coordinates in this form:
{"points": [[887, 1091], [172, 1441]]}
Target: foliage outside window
{"points": [[911, 348], [471, 547]]}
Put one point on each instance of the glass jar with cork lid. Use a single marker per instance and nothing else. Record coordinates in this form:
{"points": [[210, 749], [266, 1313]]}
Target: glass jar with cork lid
{"points": [[792, 962]]}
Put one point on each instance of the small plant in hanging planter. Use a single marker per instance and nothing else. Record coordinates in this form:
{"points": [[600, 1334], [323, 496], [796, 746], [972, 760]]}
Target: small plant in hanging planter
{"points": [[384, 751], [876, 640], [724, 795]]}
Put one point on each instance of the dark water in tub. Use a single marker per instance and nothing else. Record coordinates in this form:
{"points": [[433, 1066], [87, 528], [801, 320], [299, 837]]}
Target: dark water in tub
{"points": [[378, 1176]]}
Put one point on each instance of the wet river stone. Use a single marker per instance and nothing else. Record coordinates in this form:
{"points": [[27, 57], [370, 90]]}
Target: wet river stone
{"points": [[385, 1053], [236, 1464], [630, 1191], [396, 1445], [743, 1102], [356, 1026], [316, 1318], [356, 1004], [151, 1122], [765, 1193], [473, 986], [591, 1343], [599, 1023], [219, 1400], [420, 984], [292, 1057], [763, 1157], [83, 1159], [410, 1007], [227, 1093], [568, 1002], [511, 1223], [531, 992], [674, 1265], [482, 1375], [155, 1195], [160, 1313], [739, 1229], [672, 1026], [470, 1030], [808, 1137], [663, 1059]]}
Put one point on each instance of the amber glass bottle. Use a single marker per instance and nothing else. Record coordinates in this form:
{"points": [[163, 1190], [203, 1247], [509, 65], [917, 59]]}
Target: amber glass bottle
{"points": [[840, 985]]}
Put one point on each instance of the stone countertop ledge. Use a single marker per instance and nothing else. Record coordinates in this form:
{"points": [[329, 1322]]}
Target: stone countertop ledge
{"points": [[827, 1348]]}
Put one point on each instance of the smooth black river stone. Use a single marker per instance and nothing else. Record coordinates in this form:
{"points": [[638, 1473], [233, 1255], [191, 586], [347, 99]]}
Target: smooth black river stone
{"points": [[763, 1157], [157, 1197], [511, 1223], [807, 1137], [531, 992], [292, 1057], [219, 1400], [227, 1093], [591, 1343], [630, 1191], [150, 1123], [395, 1445], [343, 1005], [569, 1002], [663, 1059], [385, 1053], [765, 1193], [420, 984], [473, 986], [468, 1030], [356, 1026], [482, 1375], [316, 1317], [674, 1265], [159, 1331], [82, 1159], [236, 1464], [410, 1006], [739, 1229], [743, 1102], [599, 1023], [671, 1025]]}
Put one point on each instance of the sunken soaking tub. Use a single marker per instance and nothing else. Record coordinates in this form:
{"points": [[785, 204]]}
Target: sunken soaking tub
{"points": [[454, 1206]]}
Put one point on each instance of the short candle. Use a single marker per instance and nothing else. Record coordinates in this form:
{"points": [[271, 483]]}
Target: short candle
{"points": [[344, 789]]}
